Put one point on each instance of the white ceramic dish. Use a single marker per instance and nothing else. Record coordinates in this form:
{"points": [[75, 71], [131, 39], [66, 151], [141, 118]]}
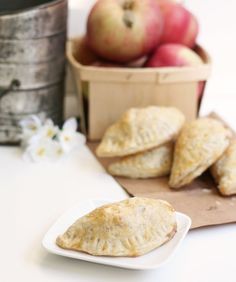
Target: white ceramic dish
{"points": [[152, 260]]}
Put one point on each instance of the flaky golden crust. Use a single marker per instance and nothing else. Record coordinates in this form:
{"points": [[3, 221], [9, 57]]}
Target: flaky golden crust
{"points": [[198, 146], [224, 171], [141, 129], [151, 163], [131, 227]]}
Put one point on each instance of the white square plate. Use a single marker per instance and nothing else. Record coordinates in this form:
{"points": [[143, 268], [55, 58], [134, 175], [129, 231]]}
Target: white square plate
{"points": [[152, 260]]}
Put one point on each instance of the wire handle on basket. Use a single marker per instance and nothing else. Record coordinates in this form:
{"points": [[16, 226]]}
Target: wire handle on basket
{"points": [[13, 85]]}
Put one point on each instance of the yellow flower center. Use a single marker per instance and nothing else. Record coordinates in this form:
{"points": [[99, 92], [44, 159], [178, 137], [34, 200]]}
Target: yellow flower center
{"points": [[59, 151], [33, 127], [67, 138], [50, 133], [41, 151]]}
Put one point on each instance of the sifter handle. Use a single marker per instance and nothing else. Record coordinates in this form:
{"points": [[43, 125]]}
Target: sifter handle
{"points": [[13, 85]]}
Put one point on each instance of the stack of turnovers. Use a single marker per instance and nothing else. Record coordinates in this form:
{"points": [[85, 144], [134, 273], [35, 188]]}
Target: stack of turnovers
{"points": [[144, 137], [131, 228], [156, 141]]}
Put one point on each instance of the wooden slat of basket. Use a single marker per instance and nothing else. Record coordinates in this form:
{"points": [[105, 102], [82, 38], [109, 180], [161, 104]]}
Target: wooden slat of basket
{"points": [[115, 99]]}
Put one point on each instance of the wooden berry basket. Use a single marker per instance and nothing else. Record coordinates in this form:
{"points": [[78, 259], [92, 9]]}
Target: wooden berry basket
{"points": [[105, 93]]}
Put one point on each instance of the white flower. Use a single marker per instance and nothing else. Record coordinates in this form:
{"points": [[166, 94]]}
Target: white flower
{"points": [[69, 138], [38, 151], [47, 131], [30, 127], [57, 151], [43, 150], [46, 142], [31, 123]]}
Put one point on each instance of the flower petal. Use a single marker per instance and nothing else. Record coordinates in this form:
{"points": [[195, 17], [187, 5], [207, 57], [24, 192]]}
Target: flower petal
{"points": [[40, 150], [30, 126], [70, 140], [71, 124], [30, 121]]}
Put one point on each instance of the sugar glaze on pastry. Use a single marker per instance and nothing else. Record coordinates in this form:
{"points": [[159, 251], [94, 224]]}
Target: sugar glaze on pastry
{"points": [[131, 227], [151, 163], [200, 143], [224, 171], [140, 129]]}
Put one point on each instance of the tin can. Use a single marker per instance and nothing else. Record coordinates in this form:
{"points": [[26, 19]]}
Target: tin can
{"points": [[32, 63]]}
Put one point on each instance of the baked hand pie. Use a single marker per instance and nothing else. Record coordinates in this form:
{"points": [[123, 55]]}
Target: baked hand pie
{"points": [[198, 146], [131, 227], [140, 129], [224, 171], [151, 163]]}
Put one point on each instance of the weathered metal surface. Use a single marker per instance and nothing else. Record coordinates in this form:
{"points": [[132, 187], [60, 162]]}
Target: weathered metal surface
{"points": [[31, 101], [44, 21], [46, 103], [32, 50], [33, 76], [32, 64]]}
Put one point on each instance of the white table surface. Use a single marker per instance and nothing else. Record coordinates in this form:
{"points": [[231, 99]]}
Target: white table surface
{"points": [[32, 196]]}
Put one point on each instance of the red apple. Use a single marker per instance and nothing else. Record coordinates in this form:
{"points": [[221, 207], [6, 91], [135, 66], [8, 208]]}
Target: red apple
{"points": [[82, 52], [164, 2], [171, 54], [176, 55], [122, 31], [180, 26], [106, 64], [138, 63]]}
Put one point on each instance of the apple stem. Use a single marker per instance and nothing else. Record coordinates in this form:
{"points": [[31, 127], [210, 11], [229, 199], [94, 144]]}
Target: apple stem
{"points": [[128, 5]]}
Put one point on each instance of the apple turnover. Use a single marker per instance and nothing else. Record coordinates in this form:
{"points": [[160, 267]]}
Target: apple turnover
{"points": [[224, 171], [131, 227], [198, 146], [140, 129], [151, 163]]}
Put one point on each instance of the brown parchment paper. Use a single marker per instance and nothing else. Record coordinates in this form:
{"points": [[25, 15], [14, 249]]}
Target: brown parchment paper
{"points": [[200, 200]]}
